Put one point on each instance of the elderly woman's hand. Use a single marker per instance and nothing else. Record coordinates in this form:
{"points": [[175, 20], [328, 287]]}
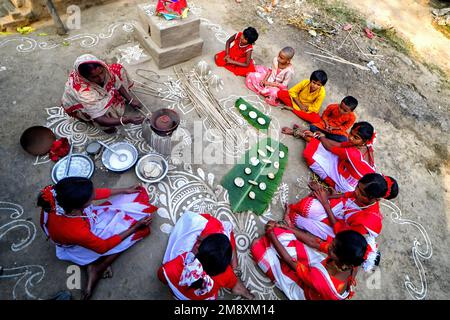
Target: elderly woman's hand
{"points": [[135, 104], [135, 119]]}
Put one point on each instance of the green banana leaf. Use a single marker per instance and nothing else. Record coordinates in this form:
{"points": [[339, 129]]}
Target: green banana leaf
{"points": [[253, 122], [239, 199]]}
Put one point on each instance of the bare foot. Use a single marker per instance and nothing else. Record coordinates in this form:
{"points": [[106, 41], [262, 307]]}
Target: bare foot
{"points": [[303, 134], [108, 273], [93, 277], [288, 131], [85, 295], [240, 290], [285, 107]]}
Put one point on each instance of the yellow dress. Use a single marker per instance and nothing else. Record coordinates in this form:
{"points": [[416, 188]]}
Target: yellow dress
{"points": [[312, 100]]}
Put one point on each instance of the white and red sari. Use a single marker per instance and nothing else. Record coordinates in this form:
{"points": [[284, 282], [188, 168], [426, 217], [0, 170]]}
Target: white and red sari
{"points": [[310, 280], [344, 165], [84, 239], [310, 215], [86, 100], [277, 75], [178, 255]]}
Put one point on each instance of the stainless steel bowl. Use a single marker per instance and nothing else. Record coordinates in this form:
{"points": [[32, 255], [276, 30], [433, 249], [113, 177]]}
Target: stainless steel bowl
{"points": [[80, 166], [152, 157], [111, 161], [93, 148]]}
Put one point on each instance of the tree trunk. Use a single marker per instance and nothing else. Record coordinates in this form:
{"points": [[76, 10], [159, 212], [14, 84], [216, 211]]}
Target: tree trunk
{"points": [[60, 28]]}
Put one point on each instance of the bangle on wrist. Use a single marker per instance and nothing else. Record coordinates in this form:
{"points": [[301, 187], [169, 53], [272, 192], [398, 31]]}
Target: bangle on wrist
{"points": [[121, 121]]}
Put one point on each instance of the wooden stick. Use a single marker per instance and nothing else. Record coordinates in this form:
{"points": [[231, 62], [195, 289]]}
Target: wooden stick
{"points": [[323, 50], [206, 105], [214, 99], [216, 103], [146, 108], [206, 108], [368, 55], [325, 61], [341, 60], [356, 44], [344, 40]]}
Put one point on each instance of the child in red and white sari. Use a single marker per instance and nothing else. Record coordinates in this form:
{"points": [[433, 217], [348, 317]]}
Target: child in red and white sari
{"points": [[305, 267], [325, 216], [93, 235], [340, 165], [200, 258]]}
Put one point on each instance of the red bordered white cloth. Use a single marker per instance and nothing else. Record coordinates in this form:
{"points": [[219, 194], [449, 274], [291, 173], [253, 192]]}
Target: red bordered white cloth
{"points": [[107, 220], [183, 238]]}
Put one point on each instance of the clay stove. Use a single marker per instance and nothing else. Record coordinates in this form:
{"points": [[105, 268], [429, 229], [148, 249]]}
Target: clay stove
{"points": [[158, 130]]}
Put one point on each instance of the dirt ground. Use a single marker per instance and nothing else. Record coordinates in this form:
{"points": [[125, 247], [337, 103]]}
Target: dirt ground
{"points": [[406, 102], [413, 20]]}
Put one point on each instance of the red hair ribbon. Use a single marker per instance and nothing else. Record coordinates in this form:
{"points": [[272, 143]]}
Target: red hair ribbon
{"points": [[389, 186], [372, 140], [47, 195], [368, 251]]}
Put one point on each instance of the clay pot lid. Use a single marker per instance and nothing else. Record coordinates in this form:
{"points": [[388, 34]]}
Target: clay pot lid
{"points": [[37, 140], [163, 122]]}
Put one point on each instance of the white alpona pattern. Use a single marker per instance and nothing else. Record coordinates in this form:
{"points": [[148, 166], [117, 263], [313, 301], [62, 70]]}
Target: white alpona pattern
{"points": [[221, 35], [192, 189], [418, 293], [131, 54], [204, 72], [249, 135], [184, 189], [27, 276], [87, 40], [81, 133]]}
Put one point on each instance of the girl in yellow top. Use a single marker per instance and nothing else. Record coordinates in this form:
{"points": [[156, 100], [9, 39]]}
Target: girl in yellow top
{"points": [[306, 97]]}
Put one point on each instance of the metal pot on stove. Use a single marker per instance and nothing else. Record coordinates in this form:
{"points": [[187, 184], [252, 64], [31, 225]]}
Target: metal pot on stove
{"points": [[162, 123]]}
